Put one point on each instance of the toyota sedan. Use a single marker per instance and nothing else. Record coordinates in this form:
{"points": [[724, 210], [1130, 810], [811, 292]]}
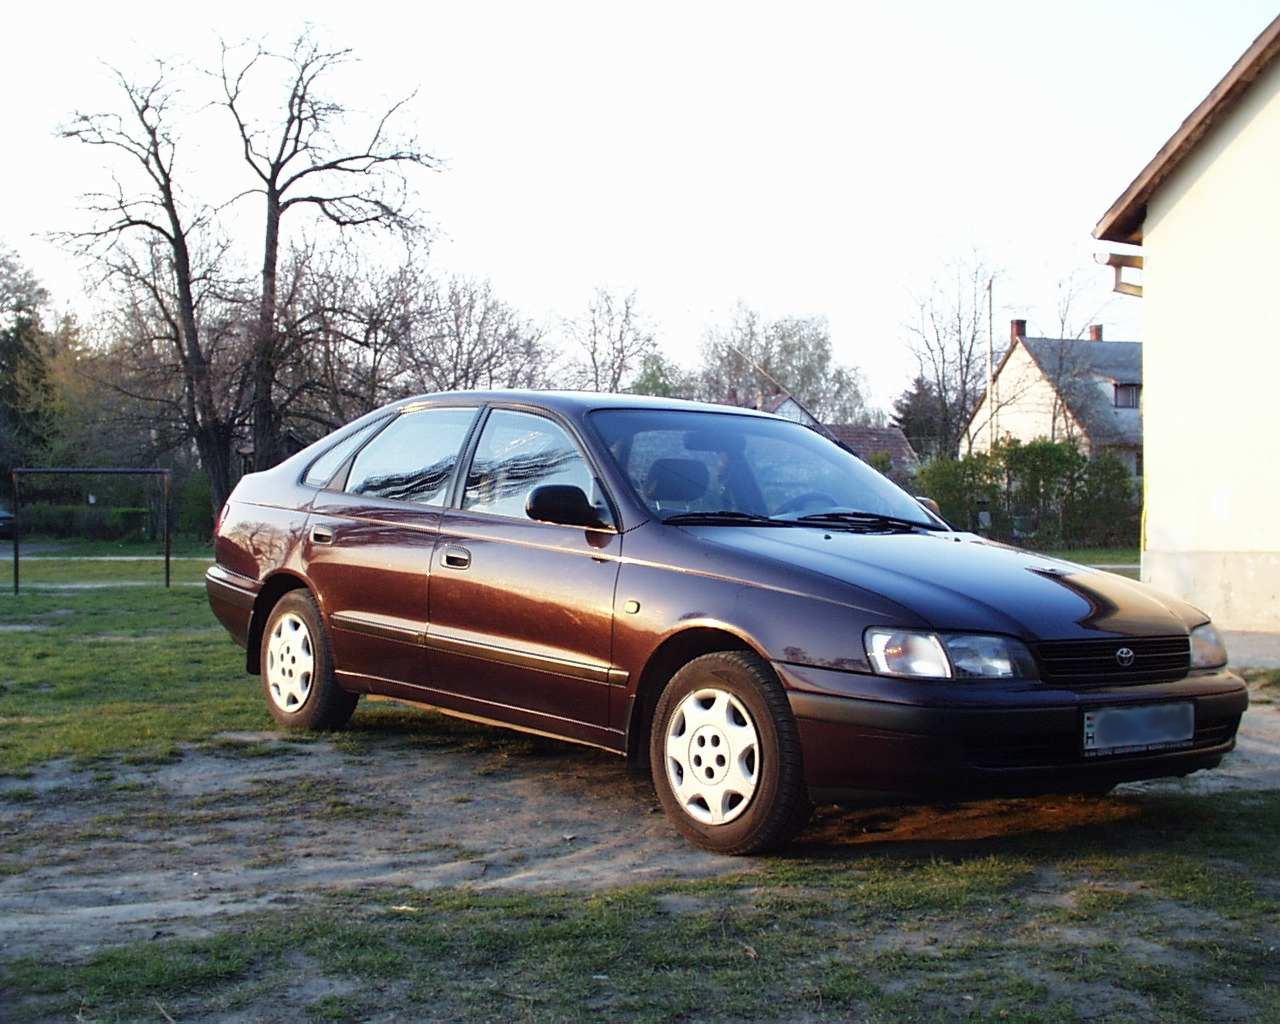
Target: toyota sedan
{"points": [[730, 600]]}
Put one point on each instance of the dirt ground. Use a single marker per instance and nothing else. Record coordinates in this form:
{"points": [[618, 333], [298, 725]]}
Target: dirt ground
{"points": [[118, 852]]}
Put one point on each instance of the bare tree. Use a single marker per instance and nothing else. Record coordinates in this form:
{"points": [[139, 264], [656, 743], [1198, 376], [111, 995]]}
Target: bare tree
{"points": [[146, 238], [610, 342], [949, 341], [473, 340], [364, 334], [745, 361], [302, 162], [341, 321]]}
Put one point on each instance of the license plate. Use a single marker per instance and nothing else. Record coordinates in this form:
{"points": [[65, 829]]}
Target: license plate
{"points": [[1133, 730]]}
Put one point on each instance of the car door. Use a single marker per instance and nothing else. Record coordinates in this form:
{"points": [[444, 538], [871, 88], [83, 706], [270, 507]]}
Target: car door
{"points": [[522, 611], [370, 539]]}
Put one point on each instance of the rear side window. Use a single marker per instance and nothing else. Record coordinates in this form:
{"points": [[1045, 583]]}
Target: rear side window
{"points": [[322, 470], [414, 458], [518, 452]]}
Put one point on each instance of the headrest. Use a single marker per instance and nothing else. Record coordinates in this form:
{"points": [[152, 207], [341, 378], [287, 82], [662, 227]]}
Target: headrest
{"points": [[676, 480]]}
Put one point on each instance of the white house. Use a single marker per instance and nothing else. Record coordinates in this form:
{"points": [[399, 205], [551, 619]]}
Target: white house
{"points": [[1206, 213], [1086, 391]]}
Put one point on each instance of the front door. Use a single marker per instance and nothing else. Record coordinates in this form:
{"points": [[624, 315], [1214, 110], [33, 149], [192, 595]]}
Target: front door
{"points": [[522, 611], [370, 539]]}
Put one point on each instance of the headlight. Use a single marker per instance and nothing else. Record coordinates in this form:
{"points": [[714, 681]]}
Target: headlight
{"points": [[1207, 648], [990, 657], [897, 652]]}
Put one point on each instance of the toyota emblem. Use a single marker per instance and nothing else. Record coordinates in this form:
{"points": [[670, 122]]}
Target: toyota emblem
{"points": [[1124, 656]]}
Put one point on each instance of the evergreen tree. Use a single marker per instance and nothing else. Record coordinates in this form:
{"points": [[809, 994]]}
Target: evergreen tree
{"points": [[26, 386], [919, 414]]}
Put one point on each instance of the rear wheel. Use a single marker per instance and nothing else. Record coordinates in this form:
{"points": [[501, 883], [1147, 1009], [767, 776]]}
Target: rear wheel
{"points": [[297, 667], [725, 754]]}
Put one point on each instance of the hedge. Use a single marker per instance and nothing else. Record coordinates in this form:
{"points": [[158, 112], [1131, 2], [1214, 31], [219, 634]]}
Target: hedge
{"points": [[1042, 494], [96, 522]]}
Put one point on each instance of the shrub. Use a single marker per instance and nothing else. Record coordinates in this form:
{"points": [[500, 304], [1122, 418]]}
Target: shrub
{"points": [[96, 522], [195, 514], [1041, 494]]}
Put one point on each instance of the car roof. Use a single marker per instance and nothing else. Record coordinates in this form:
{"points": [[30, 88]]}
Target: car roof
{"points": [[577, 401]]}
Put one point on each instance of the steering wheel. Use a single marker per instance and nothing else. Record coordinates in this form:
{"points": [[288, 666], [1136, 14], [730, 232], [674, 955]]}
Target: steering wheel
{"points": [[805, 500]]}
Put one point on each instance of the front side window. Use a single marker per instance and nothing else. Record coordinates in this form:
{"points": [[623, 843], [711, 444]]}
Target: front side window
{"points": [[682, 462], [414, 458], [518, 452], [322, 470]]}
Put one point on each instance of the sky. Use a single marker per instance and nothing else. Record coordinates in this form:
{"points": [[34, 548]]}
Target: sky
{"points": [[804, 158]]}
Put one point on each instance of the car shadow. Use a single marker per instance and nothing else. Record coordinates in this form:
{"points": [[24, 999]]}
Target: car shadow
{"points": [[1130, 819]]}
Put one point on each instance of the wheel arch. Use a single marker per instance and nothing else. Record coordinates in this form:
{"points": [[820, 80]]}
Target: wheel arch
{"points": [[275, 587], [675, 651]]}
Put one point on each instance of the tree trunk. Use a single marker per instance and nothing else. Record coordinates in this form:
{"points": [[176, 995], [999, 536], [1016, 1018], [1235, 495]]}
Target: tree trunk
{"points": [[214, 447], [266, 432]]}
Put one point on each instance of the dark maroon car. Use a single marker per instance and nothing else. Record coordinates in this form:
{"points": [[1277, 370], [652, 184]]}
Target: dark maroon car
{"points": [[724, 597]]}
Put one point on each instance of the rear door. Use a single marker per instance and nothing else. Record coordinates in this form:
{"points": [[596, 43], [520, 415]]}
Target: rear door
{"points": [[522, 611], [369, 542]]}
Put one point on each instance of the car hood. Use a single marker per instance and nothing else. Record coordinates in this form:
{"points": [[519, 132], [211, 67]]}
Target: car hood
{"points": [[957, 581]]}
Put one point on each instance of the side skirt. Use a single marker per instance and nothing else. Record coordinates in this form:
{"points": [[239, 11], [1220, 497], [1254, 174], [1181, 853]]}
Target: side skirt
{"points": [[484, 712]]}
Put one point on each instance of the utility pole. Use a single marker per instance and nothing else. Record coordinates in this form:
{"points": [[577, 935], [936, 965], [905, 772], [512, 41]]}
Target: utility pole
{"points": [[991, 375]]}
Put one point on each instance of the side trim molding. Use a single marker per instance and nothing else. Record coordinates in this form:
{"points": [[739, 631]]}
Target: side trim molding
{"points": [[467, 648], [383, 630]]}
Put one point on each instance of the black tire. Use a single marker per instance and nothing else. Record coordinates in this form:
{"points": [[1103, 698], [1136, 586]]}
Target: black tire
{"points": [[779, 807], [326, 705]]}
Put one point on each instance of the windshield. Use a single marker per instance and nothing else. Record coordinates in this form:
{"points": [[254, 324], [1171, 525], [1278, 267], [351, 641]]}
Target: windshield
{"points": [[681, 462]]}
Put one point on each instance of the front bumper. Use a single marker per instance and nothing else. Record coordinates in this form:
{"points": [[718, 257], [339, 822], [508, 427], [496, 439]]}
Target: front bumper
{"points": [[865, 735]]}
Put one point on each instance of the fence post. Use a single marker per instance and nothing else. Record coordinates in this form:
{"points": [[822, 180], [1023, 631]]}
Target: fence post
{"points": [[17, 520], [167, 538]]}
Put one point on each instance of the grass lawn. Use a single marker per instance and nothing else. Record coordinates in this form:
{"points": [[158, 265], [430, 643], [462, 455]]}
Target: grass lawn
{"points": [[85, 548], [129, 671], [1131, 908], [1098, 556]]}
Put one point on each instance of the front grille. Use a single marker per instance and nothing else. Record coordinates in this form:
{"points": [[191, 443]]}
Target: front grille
{"points": [[1156, 659]]}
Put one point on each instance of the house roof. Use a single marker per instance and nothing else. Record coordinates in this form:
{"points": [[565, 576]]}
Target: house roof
{"points": [[1123, 222], [1093, 408], [868, 441], [773, 403]]}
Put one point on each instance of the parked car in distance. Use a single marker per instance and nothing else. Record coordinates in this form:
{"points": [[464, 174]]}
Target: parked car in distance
{"points": [[6, 524], [726, 598]]}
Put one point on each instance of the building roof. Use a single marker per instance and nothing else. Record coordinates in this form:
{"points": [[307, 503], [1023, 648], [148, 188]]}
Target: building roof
{"points": [[1095, 411], [1123, 222], [868, 441]]}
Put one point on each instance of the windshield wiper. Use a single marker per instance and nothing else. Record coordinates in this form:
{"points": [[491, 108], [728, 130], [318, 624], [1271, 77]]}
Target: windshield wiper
{"points": [[870, 520], [724, 517]]}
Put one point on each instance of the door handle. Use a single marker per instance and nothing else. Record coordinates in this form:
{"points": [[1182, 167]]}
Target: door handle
{"points": [[456, 557], [321, 535]]}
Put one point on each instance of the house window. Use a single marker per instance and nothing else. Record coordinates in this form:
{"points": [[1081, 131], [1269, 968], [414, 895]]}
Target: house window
{"points": [[1127, 395]]}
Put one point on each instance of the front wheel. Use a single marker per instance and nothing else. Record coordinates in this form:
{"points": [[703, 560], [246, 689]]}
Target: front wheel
{"points": [[725, 755], [297, 667]]}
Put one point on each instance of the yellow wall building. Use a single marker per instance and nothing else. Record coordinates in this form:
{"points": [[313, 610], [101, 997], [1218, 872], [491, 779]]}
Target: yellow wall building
{"points": [[1206, 213]]}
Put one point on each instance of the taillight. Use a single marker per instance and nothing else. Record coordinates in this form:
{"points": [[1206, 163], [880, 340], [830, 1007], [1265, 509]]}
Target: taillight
{"points": [[222, 518]]}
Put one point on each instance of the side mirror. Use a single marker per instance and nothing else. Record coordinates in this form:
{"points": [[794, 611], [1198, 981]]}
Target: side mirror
{"points": [[931, 505], [564, 504]]}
